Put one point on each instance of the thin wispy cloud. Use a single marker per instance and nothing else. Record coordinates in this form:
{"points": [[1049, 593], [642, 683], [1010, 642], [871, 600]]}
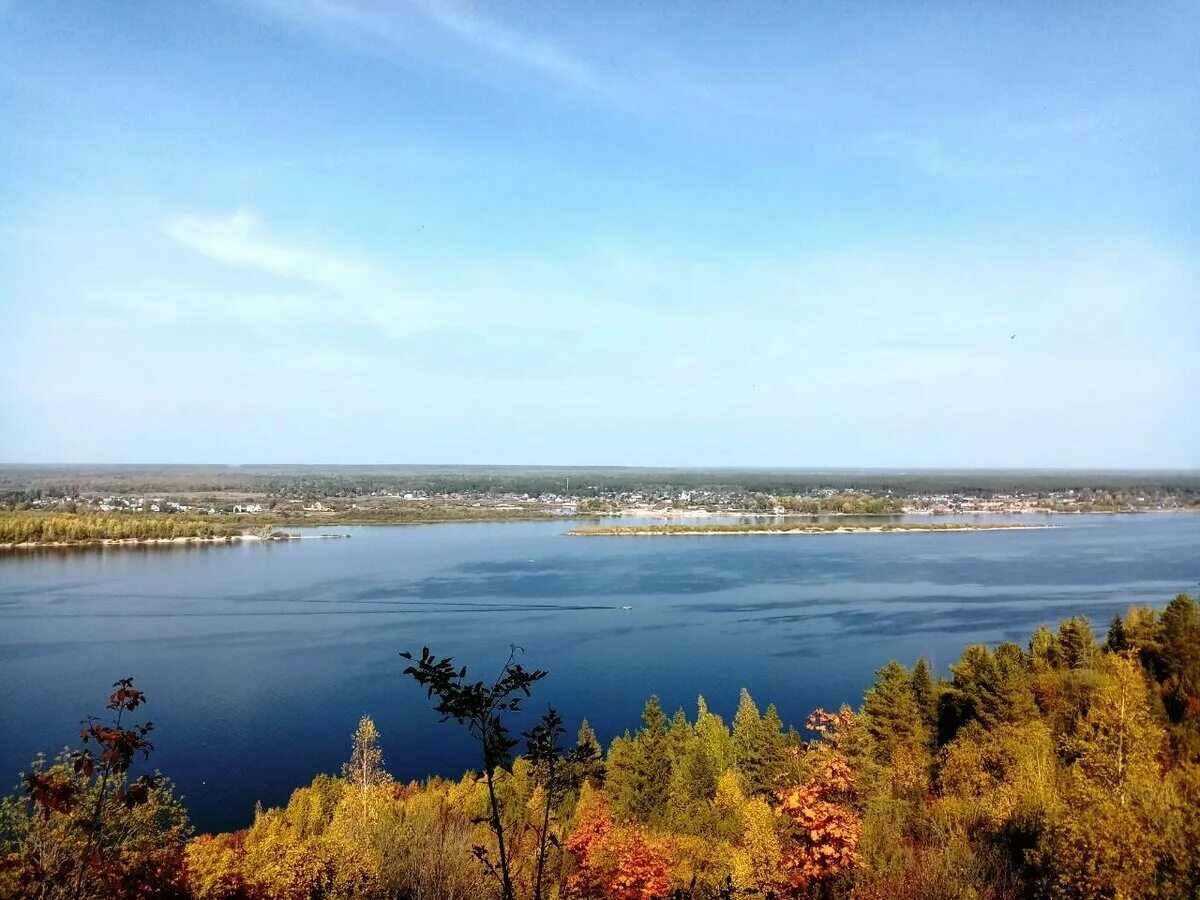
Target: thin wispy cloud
{"points": [[495, 39], [315, 284], [239, 240], [393, 29], [643, 229]]}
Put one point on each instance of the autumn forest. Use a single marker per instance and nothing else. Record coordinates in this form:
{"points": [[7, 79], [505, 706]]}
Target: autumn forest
{"points": [[1065, 768]]}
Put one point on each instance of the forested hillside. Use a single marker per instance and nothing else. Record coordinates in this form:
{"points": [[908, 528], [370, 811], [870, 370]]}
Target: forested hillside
{"points": [[1065, 768]]}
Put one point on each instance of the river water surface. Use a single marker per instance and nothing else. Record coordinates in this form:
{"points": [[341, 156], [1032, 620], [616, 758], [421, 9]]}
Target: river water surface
{"points": [[259, 658]]}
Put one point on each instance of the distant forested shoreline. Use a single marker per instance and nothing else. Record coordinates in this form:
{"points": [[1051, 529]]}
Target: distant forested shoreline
{"points": [[17, 481]]}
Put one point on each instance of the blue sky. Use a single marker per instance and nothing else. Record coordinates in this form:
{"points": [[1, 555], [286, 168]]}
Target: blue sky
{"points": [[648, 234]]}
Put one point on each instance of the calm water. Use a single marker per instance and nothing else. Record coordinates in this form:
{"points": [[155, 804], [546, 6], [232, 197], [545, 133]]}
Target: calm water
{"points": [[259, 659]]}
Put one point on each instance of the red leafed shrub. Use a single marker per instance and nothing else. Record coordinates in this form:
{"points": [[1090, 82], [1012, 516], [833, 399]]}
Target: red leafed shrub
{"points": [[824, 834], [616, 862], [822, 721]]}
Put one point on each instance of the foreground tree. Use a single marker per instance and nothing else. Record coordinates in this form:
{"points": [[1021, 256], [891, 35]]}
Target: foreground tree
{"points": [[824, 831], [891, 713], [365, 769], [615, 862], [481, 709], [82, 829], [653, 774]]}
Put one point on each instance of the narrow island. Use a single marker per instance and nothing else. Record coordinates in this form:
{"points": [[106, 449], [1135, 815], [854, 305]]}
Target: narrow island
{"points": [[25, 531], [665, 530]]}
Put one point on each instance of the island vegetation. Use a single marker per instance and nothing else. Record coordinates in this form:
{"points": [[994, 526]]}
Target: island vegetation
{"points": [[849, 503], [1065, 768], [38, 528], [789, 527]]}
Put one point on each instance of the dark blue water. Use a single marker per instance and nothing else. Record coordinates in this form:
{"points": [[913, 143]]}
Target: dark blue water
{"points": [[259, 659]]}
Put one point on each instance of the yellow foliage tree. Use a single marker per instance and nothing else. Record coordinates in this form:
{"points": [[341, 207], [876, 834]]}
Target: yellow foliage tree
{"points": [[1108, 841]]}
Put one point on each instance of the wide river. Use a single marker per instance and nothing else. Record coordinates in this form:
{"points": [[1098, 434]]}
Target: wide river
{"points": [[259, 658]]}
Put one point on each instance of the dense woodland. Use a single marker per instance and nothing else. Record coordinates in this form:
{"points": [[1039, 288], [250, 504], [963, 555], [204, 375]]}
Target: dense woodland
{"points": [[82, 528], [848, 503], [1065, 768]]}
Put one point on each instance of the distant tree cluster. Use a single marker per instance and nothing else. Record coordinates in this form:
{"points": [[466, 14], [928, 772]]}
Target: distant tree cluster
{"points": [[843, 503], [75, 528]]}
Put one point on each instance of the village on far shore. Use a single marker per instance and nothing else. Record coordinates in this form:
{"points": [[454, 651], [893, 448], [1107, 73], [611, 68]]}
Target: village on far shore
{"points": [[243, 498]]}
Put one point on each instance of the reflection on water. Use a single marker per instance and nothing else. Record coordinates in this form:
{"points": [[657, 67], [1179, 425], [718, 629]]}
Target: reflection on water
{"points": [[259, 658]]}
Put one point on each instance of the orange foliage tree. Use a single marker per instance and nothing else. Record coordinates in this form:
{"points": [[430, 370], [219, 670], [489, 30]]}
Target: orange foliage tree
{"points": [[823, 831], [616, 862]]}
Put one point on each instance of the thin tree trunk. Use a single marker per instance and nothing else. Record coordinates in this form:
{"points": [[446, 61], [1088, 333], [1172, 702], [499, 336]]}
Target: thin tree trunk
{"points": [[506, 888], [96, 821], [537, 884]]}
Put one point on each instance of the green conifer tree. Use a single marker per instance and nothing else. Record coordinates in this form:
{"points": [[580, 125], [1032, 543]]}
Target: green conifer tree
{"points": [[925, 691], [1116, 641], [709, 753], [1076, 642], [588, 758], [714, 737], [653, 764], [621, 776], [991, 688], [890, 713], [1180, 643], [776, 741], [749, 743], [680, 735]]}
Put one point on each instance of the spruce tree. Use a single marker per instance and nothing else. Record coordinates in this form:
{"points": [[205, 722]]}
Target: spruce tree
{"points": [[749, 743], [709, 752], [991, 688], [714, 738], [776, 741], [891, 714], [680, 735], [1116, 641], [1076, 642], [365, 766], [588, 757], [1180, 654], [653, 764], [925, 692], [621, 777]]}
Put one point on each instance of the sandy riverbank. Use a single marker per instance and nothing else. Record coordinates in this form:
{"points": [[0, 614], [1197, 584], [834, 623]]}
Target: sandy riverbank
{"points": [[152, 542], [774, 528]]}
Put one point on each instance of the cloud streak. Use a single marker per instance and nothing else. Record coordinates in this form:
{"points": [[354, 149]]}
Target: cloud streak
{"points": [[504, 43], [390, 33], [239, 240]]}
